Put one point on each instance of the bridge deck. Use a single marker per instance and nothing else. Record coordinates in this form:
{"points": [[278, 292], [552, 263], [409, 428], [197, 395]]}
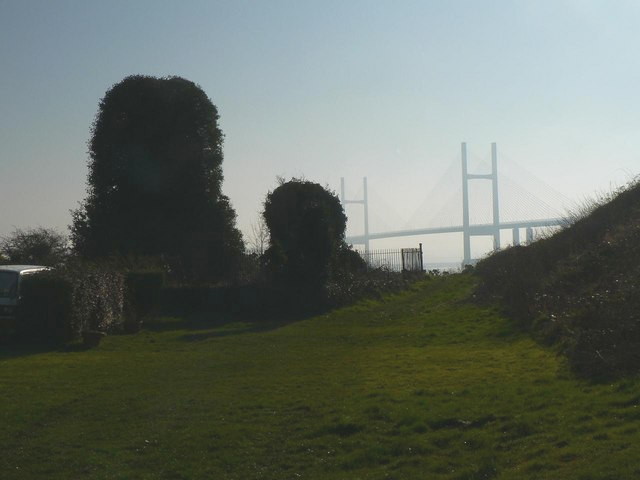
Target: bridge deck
{"points": [[481, 229]]}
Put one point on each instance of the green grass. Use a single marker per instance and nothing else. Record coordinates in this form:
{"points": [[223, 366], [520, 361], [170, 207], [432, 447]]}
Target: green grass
{"points": [[421, 385]]}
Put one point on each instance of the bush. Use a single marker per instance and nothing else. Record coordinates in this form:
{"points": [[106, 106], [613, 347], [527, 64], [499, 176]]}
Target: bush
{"points": [[98, 296], [306, 225], [249, 269], [347, 287], [513, 275], [142, 299], [604, 344], [61, 304], [579, 288], [45, 309], [189, 299], [348, 260]]}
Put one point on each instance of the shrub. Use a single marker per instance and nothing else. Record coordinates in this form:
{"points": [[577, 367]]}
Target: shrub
{"points": [[142, 299], [61, 304], [249, 269], [579, 288], [348, 286], [45, 309], [349, 261], [605, 350], [514, 275], [306, 225], [181, 300], [98, 298]]}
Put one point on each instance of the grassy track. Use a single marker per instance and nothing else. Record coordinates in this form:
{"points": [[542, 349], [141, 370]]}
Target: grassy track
{"points": [[422, 385]]}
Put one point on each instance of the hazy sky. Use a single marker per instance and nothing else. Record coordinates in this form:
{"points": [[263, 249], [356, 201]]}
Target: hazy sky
{"points": [[325, 89]]}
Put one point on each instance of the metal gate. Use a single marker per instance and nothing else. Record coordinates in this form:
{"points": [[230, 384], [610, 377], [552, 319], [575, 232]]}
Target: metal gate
{"points": [[412, 259]]}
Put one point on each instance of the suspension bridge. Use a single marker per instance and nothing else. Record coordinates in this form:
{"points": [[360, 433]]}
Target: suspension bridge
{"points": [[491, 228]]}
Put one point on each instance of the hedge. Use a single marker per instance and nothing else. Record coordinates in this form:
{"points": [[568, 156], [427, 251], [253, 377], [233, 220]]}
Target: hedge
{"points": [[143, 293], [59, 305]]}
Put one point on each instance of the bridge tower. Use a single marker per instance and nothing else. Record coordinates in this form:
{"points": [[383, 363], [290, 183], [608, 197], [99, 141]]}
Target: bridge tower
{"points": [[468, 230], [365, 203]]}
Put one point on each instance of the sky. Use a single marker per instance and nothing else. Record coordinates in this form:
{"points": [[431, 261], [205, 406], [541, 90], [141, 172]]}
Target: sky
{"points": [[330, 89]]}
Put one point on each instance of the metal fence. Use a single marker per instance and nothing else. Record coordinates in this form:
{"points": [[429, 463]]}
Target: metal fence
{"points": [[393, 259], [397, 260]]}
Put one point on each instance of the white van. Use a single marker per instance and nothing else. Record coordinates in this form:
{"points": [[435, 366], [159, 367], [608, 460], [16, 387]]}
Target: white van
{"points": [[10, 279]]}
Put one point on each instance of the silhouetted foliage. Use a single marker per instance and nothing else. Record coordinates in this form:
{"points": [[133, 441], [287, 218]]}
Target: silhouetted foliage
{"points": [[349, 261], [306, 231], [155, 175], [34, 246]]}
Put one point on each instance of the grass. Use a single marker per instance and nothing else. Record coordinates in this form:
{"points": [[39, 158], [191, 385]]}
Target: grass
{"points": [[421, 385]]}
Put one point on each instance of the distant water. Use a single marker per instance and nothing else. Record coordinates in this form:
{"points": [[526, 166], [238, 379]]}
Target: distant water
{"points": [[444, 266]]}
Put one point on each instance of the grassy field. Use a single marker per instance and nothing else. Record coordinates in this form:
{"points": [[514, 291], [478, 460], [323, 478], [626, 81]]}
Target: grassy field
{"points": [[421, 385]]}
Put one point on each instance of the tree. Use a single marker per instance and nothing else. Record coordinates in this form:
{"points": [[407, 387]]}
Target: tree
{"points": [[155, 176], [258, 238], [34, 246], [306, 225]]}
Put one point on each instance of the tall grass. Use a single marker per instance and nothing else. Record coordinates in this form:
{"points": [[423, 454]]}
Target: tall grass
{"points": [[579, 287]]}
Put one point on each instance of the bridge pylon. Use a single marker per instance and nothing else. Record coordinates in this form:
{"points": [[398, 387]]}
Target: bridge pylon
{"points": [[365, 203], [467, 230]]}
